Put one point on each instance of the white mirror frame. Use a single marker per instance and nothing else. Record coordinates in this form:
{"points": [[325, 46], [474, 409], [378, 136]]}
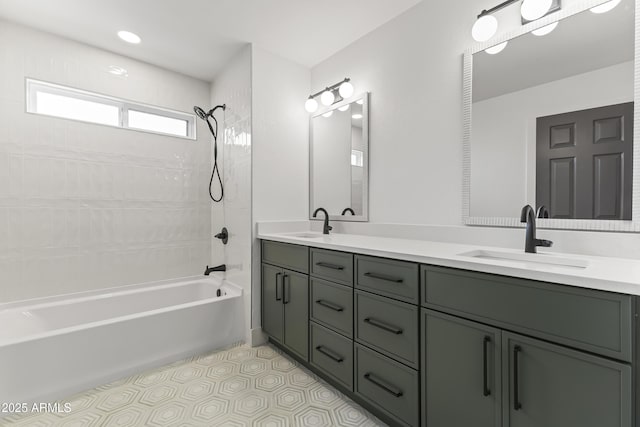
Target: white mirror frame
{"points": [[467, 100], [365, 161]]}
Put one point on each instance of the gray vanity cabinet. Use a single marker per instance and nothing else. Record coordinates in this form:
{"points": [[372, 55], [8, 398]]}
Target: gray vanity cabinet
{"points": [[553, 386], [285, 296], [461, 372]]}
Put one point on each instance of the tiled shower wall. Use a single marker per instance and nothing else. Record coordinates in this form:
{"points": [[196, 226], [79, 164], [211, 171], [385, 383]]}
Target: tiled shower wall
{"points": [[232, 86], [85, 206]]}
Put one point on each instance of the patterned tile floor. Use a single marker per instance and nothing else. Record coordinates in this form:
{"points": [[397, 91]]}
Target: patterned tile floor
{"points": [[239, 386]]}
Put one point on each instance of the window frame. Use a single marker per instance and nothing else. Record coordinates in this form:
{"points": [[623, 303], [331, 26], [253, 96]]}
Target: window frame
{"points": [[33, 87]]}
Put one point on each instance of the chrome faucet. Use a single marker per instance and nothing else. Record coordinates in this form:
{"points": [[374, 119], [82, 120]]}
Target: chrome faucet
{"points": [[327, 228], [528, 215]]}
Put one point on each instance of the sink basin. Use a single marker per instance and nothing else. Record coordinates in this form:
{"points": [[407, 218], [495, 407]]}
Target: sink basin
{"points": [[529, 260], [306, 235]]}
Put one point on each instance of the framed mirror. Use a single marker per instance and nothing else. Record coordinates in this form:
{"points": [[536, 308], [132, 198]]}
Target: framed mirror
{"points": [[339, 160], [550, 121]]}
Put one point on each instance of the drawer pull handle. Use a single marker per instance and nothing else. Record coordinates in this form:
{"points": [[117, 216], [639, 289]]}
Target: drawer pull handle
{"points": [[383, 326], [278, 298], [389, 389], [384, 277], [485, 374], [516, 394], [286, 290], [329, 265], [329, 354], [329, 305]]}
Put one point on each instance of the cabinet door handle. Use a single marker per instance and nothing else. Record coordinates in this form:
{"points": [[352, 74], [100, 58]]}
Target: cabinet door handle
{"points": [[329, 265], [383, 326], [384, 277], [485, 374], [329, 305], [389, 389], [516, 394], [286, 298], [329, 354], [278, 298]]}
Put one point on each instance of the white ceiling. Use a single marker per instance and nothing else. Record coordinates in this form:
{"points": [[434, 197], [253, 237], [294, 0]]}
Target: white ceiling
{"points": [[197, 37], [581, 43]]}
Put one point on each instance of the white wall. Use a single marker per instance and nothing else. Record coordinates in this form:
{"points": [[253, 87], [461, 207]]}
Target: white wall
{"points": [[413, 68], [280, 147], [503, 153], [232, 86], [85, 206]]}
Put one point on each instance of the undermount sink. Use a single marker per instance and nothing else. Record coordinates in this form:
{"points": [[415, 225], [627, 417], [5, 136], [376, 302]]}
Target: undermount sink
{"points": [[306, 235], [533, 260]]}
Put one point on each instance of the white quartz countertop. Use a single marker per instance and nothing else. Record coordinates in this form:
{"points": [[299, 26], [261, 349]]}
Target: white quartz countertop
{"points": [[602, 273]]}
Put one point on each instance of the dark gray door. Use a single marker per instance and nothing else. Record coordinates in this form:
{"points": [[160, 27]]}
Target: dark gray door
{"points": [[462, 369], [272, 308], [551, 386], [584, 163], [295, 298]]}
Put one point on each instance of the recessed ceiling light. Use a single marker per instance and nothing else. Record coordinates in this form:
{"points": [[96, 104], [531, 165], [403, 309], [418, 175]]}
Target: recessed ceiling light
{"points": [[118, 71], [129, 37]]}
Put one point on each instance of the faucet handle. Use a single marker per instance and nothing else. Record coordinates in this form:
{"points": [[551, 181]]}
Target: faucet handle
{"points": [[544, 243]]}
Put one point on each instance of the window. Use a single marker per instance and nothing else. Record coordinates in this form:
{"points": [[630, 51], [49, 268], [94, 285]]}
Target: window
{"points": [[68, 103]]}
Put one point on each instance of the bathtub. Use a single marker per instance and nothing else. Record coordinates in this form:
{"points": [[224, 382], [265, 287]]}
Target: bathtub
{"points": [[51, 348]]}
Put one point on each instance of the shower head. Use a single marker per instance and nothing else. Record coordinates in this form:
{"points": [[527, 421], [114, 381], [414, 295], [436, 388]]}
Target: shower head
{"points": [[200, 112]]}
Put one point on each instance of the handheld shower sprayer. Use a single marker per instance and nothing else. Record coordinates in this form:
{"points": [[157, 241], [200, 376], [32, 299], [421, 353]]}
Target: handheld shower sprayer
{"points": [[214, 131]]}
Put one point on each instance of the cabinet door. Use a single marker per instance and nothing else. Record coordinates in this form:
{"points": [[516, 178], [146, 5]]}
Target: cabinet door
{"points": [[272, 315], [462, 369], [295, 298], [551, 386]]}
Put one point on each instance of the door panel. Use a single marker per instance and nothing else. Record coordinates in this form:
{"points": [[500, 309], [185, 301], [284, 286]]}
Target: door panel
{"points": [[597, 183], [272, 314], [458, 353], [296, 312], [551, 386]]}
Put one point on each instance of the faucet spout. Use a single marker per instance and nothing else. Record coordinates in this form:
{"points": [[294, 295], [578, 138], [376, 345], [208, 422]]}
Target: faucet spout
{"points": [[326, 228], [209, 270], [528, 216]]}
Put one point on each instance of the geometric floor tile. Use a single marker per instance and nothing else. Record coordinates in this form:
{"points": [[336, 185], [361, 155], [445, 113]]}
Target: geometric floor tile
{"points": [[239, 386]]}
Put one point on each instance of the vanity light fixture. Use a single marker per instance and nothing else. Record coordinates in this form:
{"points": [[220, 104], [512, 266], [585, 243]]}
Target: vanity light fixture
{"points": [[330, 95], [344, 108], [496, 49], [605, 7], [129, 37], [545, 30], [487, 25], [356, 116]]}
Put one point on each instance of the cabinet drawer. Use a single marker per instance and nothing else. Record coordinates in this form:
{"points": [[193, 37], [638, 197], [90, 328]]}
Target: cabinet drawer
{"points": [[331, 265], [595, 321], [332, 306], [388, 326], [333, 354], [293, 257], [395, 279], [387, 384]]}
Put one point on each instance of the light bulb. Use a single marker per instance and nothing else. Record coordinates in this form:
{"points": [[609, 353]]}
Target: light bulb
{"points": [[535, 9], [356, 116], [545, 30], [311, 105], [344, 107], [129, 37], [360, 101], [605, 7], [328, 114], [496, 49], [484, 28], [346, 90], [327, 97]]}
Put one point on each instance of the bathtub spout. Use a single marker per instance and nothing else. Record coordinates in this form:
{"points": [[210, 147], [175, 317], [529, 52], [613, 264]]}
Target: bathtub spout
{"points": [[210, 270]]}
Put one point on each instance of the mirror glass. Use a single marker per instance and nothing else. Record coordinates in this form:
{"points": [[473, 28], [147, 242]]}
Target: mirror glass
{"points": [[552, 121], [339, 151]]}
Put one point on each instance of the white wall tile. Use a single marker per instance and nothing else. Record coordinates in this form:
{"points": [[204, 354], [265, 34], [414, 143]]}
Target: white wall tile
{"points": [[94, 206]]}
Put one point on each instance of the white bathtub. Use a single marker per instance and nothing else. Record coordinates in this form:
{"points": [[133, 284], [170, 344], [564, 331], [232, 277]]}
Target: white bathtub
{"points": [[53, 347]]}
